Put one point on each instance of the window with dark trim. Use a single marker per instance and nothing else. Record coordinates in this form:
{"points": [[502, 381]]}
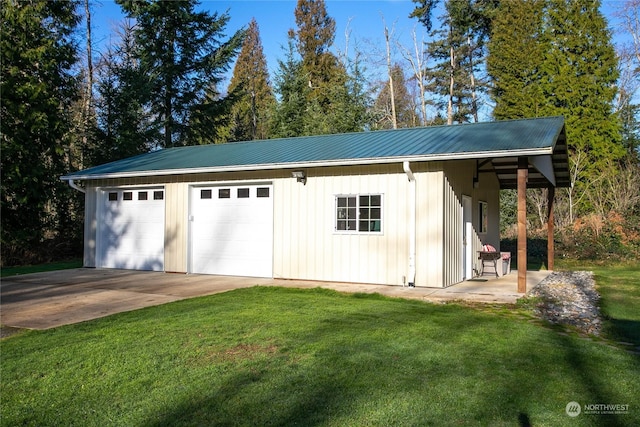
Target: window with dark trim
{"points": [[142, 195], [243, 193], [359, 213], [224, 193], [370, 213], [158, 195], [127, 195], [113, 196], [205, 194], [483, 218], [263, 192]]}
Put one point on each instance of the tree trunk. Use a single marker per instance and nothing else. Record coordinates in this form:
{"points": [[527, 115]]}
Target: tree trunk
{"points": [[474, 101], [394, 118], [452, 59], [88, 101]]}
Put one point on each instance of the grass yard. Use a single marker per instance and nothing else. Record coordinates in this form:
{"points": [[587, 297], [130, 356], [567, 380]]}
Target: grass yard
{"points": [[273, 356], [619, 287], [40, 268]]}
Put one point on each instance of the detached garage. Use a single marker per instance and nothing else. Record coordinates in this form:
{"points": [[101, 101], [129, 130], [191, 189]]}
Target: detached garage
{"points": [[400, 207]]}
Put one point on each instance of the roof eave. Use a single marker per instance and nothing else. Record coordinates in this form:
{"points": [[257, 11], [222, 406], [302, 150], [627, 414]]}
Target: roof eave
{"points": [[315, 164]]}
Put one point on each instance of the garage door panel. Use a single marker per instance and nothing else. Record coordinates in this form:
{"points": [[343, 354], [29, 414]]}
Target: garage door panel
{"points": [[234, 235], [131, 230]]}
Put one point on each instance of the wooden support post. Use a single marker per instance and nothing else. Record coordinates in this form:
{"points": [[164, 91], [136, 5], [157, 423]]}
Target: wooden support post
{"points": [[550, 227], [523, 172]]}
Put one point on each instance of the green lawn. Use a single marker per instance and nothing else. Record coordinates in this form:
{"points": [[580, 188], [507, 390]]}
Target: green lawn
{"points": [[274, 356], [619, 287], [28, 269]]}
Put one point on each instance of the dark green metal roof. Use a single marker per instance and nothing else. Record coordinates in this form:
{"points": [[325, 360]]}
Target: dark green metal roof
{"points": [[527, 137]]}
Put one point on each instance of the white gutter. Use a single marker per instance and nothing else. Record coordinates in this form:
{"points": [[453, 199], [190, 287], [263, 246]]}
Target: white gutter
{"points": [[411, 279], [75, 186], [322, 163]]}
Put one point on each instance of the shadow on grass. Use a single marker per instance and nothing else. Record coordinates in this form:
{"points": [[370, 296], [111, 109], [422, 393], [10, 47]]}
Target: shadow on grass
{"points": [[625, 331], [451, 367], [598, 391]]}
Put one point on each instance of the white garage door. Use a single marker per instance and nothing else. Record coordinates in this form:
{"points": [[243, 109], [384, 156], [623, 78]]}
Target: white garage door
{"points": [[131, 229], [232, 230]]}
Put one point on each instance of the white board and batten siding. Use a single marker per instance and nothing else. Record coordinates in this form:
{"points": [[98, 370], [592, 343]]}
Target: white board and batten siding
{"points": [[293, 233], [309, 247]]}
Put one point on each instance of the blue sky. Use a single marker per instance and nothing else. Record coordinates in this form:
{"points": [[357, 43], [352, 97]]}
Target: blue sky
{"points": [[362, 18]]}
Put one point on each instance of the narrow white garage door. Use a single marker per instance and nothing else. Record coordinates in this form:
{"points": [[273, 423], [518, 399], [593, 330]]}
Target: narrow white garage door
{"points": [[131, 229], [232, 230]]}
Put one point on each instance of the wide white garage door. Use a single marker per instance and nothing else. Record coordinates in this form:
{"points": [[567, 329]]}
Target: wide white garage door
{"points": [[231, 230], [131, 229]]}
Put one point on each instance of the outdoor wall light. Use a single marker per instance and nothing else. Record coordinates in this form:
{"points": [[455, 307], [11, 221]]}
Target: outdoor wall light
{"points": [[300, 176]]}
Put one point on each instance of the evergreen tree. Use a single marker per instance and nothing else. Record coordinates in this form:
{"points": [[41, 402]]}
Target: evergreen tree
{"points": [[125, 125], [292, 88], [250, 114], [37, 55], [580, 74], [458, 48], [351, 109], [516, 54], [315, 35], [317, 93], [182, 53]]}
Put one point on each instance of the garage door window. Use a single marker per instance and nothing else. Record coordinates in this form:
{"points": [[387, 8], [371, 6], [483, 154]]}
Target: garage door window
{"points": [[142, 195], [205, 194], [158, 195], [359, 213], [263, 191], [113, 197], [127, 195], [224, 193], [243, 193]]}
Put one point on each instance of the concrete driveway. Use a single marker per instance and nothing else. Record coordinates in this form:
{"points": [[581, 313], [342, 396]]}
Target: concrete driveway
{"points": [[48, 300]]}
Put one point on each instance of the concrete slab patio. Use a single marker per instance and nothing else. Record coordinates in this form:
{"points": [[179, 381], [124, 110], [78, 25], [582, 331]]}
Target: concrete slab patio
{"points": [[48, 300]]}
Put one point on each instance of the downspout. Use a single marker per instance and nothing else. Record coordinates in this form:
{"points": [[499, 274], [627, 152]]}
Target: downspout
{"points": [[411, 279], [75, 186]]}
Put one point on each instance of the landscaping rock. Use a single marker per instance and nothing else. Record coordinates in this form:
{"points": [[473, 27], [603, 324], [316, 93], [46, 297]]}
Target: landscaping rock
{"points": [[569, 298]]}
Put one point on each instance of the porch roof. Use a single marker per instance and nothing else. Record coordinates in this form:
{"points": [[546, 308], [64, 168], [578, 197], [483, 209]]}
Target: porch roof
{"points": [[496, 145]]}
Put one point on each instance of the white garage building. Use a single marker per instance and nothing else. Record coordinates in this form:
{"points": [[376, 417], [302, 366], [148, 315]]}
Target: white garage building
{"points": [[407, 206]]}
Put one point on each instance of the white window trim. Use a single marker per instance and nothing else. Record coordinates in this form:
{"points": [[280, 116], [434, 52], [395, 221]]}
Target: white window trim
{"points": [[356, 231]]}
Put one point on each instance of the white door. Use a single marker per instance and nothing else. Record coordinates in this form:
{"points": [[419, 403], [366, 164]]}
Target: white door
{"points": [[467, 236], [231, 230], [130, 231]]}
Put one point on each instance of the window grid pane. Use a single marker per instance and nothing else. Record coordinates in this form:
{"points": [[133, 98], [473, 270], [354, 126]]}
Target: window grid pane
{"points": [[361, 213]]}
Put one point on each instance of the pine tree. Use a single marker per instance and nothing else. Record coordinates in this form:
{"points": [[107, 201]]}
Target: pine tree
{"points": [[516, 54], [581, 71], [37, 85], [458, 48], [315, 35], [292, 88], [182, 53], [125, 123], [250, 114]]}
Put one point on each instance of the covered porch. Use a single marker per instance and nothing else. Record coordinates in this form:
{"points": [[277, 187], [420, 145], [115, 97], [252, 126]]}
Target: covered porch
{"points": [[522, 171]]}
